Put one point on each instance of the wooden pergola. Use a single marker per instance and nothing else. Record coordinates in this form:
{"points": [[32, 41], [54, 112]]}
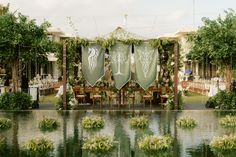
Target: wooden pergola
{"points": [[116, 34]]}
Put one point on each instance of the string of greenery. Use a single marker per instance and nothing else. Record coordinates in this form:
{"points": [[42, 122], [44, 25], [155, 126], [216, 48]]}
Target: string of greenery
{"points": [[160, 44]]}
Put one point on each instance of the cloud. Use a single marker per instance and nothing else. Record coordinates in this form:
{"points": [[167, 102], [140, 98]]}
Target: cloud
{"points": [[176, 15], [95, 17]]}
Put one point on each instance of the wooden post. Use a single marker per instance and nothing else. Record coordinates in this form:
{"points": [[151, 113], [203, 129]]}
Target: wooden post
{"points": [[176, 79], [64, 77]]}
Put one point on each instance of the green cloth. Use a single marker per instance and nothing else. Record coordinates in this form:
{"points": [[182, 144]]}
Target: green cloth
{"points": [[145, 64], [120, 64], [93, 59]]}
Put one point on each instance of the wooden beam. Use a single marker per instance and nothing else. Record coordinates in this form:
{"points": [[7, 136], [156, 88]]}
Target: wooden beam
{"points": [[176, 79], [64, 77]]}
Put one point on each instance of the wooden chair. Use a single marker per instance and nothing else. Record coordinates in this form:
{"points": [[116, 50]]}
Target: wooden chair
{"points": [[80, 94], [147, 96], [97, 96], [132, 97], [113, 96]]}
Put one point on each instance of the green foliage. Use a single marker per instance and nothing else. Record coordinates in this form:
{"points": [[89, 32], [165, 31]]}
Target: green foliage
{"points": [[3, 143], [223, 100], [6, 101], [139, 122], [93, 122], [60, 105], [21, 38], [228, 121], [105, 43], [180, 99], [48, 124], [215, 40], [170, 102], [132, 41], [5, 124], [41, 145], [186, 122], [21, 101], [154, 145], [156, 43], [15, 101], [99, 144]]}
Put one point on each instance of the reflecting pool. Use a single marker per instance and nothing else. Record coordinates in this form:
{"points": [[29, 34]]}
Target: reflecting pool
{"points": [[68, 138]]}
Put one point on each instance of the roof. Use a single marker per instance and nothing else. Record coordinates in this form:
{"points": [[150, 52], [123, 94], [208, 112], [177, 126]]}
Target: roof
{"points": [[58, 31], [121, 34]]}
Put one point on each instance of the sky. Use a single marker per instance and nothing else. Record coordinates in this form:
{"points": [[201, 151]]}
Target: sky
{"points": [[147, 18]]}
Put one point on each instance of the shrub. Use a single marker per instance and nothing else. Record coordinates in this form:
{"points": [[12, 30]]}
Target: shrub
{"points": [[5, 101], [15, 101], [21, 101], [99, 144], [93, 122], [139, 122], [153, 144], [186, 122], [5, 123], [41, 145], [222, 100], [60, 105], [48, 124], [228, 121], [224, 143]]}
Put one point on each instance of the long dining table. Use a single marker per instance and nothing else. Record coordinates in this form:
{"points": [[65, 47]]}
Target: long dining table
{"points": [[122, 92]]}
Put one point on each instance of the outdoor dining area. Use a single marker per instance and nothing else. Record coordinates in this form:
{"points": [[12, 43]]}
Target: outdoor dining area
{"points": [[128, 96], [121, 69]]}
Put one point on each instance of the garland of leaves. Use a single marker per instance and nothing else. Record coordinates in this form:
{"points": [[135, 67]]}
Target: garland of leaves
{"points": [[105, 43]]}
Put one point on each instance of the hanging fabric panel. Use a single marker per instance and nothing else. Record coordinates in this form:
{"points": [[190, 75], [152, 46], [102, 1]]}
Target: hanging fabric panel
{"points": [[93, 59], [145, 64], [120, 64]]}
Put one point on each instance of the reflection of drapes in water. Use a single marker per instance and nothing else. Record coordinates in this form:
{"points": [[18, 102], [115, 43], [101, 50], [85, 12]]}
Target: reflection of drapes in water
{"points": [[202, 150], [164, 126], [70, 146], [123, 139], [15, 144]]}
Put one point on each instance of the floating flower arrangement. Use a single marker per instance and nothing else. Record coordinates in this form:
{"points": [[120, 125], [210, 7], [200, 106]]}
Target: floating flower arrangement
{"points": [[153, 144], [224, 144], [139, 122], [48, 124], [41, 145], [93, 122], [228, 121], [186, 122], [99, 144]]}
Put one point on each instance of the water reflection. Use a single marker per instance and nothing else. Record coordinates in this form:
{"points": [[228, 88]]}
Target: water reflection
{"points": [[202, 150], [68, 138]]}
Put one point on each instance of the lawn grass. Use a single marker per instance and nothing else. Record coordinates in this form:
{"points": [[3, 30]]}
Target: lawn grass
{"points": [[49, 99], [194, 98]]}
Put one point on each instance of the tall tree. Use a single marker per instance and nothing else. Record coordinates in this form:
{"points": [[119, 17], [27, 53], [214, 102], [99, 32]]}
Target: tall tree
{"points": [[21, 39], [216, 40]]}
